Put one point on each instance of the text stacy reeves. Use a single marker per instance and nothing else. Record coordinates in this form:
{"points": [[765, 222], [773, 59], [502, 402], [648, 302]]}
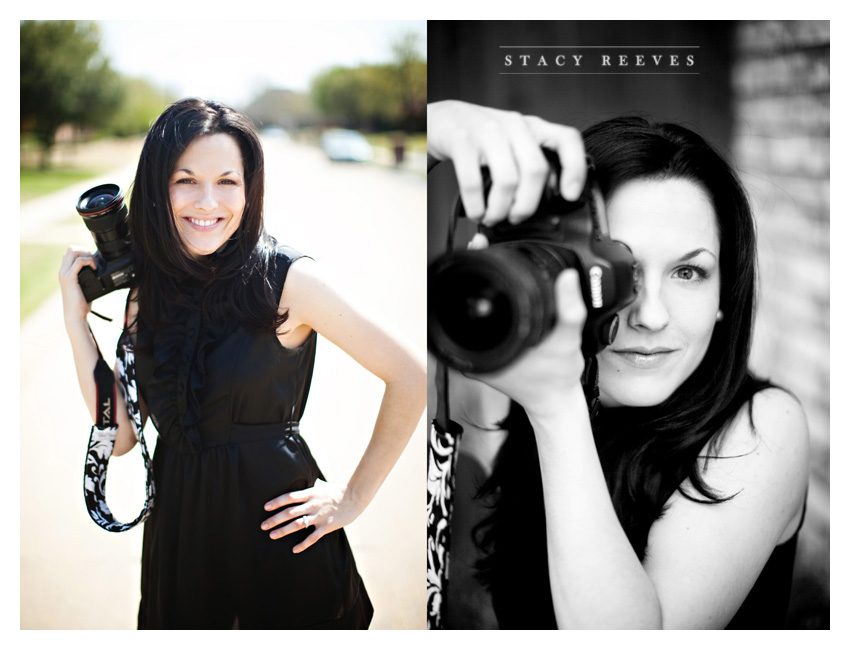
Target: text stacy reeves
{"points": [[601, 60]]}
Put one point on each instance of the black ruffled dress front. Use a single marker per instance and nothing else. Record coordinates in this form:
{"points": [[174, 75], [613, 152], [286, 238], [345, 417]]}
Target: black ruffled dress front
{"points": [[226, 402]]}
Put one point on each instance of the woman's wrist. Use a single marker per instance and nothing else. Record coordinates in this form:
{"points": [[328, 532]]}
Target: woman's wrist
{"points": [[551, 404], [355, 498], [558, 412]]}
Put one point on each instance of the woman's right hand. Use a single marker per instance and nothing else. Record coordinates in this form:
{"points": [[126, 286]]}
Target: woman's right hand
{"points": [[540, 378], [74, 304], [509, 144]]}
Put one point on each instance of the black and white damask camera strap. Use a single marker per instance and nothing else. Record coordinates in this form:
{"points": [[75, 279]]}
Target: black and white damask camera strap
{"points": [[103, 433], [443, 449]]}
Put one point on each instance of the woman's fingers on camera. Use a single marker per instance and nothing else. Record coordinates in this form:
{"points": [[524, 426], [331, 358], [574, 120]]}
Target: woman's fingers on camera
{"points": [[73, 262], [478, 242], [467, 163], [504, 176], [531, 165], [508, 143], [570, 304], [568, 143]]}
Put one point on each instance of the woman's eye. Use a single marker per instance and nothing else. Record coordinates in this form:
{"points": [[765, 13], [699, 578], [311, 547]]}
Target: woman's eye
{"points": [[690, 273], [184, 181]]}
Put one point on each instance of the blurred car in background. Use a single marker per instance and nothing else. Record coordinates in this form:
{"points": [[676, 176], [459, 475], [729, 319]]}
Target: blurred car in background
{"points": [[347, 145], [274, 131]]}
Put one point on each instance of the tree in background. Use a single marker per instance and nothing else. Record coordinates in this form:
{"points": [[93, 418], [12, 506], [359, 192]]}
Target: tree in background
{"points": [[142, 104], [284, 108], [412, 82], [378, 96], [64, 79]]}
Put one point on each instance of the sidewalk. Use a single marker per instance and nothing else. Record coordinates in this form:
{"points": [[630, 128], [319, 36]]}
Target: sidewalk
{"points": [[73, 574]]}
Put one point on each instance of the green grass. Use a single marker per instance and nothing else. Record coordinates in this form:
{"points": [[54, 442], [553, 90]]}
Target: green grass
{"points": [[39, 274], [35, 183], [40, 262]]}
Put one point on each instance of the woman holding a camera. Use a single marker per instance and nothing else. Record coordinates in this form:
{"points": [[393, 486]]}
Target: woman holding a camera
{"points": [[678, 504], [223, 321]]}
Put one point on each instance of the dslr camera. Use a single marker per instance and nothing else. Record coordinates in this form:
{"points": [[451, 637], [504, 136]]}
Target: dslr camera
{"points": [[105, 215], [486, 307]]}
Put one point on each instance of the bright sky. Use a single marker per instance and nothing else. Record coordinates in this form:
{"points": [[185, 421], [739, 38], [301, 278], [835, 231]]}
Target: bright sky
{"points": [[233, 61]]}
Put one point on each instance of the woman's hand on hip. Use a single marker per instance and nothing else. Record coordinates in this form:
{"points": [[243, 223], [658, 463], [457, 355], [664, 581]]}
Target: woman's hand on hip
{"points": [[324, 507], [540, 377], [74, 304], [508, 143]]}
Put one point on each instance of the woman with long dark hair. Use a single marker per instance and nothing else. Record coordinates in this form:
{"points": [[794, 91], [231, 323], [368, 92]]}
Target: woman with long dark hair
{"points": [[678, 504], [224, 320]]}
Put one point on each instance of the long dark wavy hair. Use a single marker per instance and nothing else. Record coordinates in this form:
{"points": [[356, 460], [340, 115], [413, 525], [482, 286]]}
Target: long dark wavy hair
{"points": [[646, 453], [234, 280]]}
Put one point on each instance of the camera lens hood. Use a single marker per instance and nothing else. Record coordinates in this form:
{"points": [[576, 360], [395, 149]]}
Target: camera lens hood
{"points": [[486, 307], [100, 200]]}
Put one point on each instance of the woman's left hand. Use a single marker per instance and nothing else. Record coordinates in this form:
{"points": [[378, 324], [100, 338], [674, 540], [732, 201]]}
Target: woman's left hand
{"points": [[325, 507]]}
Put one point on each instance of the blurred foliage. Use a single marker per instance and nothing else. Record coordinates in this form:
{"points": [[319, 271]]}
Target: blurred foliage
{"points": [[285, 108], [141, 105], [412, 73], [377, 97], [35, 183], [64, 79]]}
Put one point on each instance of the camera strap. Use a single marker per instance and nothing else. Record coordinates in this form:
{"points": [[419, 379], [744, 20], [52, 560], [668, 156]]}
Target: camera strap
{"points": [[103, 433], [105, 384], [590, 384], [443, 449]]}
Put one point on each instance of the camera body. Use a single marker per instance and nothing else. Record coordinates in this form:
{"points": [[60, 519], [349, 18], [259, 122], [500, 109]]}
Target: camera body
{"points": [[486, 307], [105, 215]]}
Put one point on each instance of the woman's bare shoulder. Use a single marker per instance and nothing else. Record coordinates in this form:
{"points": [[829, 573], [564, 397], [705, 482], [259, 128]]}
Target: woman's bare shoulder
{"points": [[777, 426]]}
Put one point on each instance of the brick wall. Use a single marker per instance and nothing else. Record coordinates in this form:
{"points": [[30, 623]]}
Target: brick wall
{"points": [[780, 79]]}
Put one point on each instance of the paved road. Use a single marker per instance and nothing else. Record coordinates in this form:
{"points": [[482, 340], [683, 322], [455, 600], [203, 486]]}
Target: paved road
{"points": [[365, 223]]}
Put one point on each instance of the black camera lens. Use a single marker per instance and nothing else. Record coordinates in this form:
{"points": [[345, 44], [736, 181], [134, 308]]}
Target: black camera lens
{"points": [[486, 307], [475, 314], [100, 201], [105, 215]]}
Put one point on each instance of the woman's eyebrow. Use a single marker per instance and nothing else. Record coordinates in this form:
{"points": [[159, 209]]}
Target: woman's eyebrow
{"points": [[694, 253], [191, 173]]}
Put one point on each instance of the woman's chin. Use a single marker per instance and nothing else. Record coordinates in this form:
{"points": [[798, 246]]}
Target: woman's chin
{"points": [[202, 249], [631, 398]]}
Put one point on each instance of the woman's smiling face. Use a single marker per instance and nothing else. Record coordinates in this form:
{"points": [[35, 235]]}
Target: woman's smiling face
{"points": [[207, 190], [671, 227]]}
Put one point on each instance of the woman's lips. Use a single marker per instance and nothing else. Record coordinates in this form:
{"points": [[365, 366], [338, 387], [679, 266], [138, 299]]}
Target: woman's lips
{"points": [[202, 224], [644, 358]]}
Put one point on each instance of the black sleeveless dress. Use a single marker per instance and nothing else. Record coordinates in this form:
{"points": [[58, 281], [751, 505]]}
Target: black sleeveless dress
{"points": [[226, 403]]}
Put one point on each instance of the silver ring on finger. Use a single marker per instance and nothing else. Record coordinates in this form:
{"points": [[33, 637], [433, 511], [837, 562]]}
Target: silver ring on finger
{"points": [[304, 521]]}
